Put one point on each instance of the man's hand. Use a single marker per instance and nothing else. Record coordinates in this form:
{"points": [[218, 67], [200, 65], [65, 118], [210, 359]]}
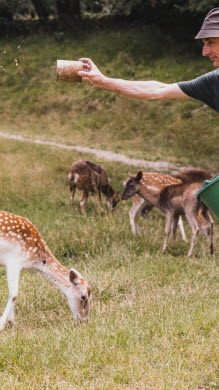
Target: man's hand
{"points": [[92, 74]]}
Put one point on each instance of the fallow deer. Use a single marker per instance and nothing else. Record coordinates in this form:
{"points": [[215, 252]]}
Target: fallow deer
{"points": [[181, 200], [89, 177], [22, 247], [154, 183], [141, 207], [173, 201]]}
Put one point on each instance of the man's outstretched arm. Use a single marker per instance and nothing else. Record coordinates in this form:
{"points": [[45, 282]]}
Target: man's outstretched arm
{"points": [[142, 90]]}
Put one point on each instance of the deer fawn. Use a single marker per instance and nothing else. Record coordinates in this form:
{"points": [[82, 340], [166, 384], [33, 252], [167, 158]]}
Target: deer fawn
{"points": [[89, 177], [21, 246], [154, 182], [173, 201], [141, 207]]}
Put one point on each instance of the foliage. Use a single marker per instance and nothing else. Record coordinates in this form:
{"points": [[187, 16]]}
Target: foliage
{"points": [[16, 7], [73, 8], [193, 6]]}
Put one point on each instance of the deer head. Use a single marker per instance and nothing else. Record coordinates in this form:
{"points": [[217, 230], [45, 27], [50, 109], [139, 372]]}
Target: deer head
{"points": [[113, 200], [132, 186], [79, 296]]}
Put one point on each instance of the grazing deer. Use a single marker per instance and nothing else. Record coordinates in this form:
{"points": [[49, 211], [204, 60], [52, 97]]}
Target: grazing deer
{"points": [[89, 177], [21, 246], [141, 207], [173, 201]]}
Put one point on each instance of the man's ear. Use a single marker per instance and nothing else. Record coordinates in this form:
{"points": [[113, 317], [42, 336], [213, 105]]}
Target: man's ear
{"points": [[74, 275], [139, 176]]}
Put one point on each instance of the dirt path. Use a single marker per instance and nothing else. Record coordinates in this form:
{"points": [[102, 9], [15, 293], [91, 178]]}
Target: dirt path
{"points": [[102, 154]]}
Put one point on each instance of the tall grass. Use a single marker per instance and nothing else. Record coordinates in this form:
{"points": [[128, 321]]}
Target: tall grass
{"points": [[154, 320]]}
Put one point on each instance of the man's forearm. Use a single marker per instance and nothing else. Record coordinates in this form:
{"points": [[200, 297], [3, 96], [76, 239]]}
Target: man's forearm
{"points": [[142, 90]]}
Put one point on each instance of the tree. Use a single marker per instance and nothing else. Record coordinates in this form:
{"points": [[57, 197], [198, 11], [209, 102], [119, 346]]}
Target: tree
{"points": [[41, 9], [68, 11]]}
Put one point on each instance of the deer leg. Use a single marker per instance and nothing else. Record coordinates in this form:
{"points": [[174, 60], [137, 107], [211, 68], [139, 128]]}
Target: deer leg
{"points": [[146, 209], [174, 227], [169, 218], [13, 279], [83, 202], [211, 239], [133, 218], [136, 209], [206, 224], [181, 228], [211, 232], [100, 200], [177, 221], [72, 189], [195, 230], [11, 315]]}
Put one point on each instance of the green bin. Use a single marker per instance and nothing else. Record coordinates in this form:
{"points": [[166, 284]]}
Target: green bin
{"points": [[209, 194]]}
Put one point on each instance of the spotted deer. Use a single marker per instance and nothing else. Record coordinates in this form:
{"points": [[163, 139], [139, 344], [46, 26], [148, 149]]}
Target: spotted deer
{"points": [[174, 200], [141, 207], [22, 247], [153, 182], [89, 177]]}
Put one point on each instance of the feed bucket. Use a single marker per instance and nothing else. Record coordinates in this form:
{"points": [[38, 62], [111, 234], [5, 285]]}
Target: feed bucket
{"points": [[209, 194]]}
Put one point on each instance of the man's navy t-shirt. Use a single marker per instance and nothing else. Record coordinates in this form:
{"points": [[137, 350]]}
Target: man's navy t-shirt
{"points": [[204, 88]]}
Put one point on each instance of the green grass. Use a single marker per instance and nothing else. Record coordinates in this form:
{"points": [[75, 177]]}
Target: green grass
{"points": [[154, 320]]}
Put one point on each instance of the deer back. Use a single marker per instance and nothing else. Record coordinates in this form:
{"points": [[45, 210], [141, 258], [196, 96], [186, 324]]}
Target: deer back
{"points": [[148, 185], [88, 176], [193, 175], [180, 197], [171, 198]]}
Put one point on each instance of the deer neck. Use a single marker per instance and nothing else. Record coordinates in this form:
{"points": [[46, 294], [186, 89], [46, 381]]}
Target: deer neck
{"points": [[151, 196], [52, 270], [107, 190]]}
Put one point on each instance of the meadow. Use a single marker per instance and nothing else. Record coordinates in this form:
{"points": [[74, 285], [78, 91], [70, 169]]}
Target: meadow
{"points": [[154, 318]]}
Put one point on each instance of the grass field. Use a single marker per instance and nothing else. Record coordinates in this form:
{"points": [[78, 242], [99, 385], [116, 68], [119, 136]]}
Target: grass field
{"points": [[154, 319]]}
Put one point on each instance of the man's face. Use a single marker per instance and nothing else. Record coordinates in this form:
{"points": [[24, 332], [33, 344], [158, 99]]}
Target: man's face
{"points": [[211, 50]]}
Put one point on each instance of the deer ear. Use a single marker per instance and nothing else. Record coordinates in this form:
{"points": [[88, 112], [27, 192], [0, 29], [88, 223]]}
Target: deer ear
{"points": [[73, 276], [139, 176], [131, 176]]}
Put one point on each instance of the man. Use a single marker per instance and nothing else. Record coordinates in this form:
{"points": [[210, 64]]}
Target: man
{"points": [[204, 88]]}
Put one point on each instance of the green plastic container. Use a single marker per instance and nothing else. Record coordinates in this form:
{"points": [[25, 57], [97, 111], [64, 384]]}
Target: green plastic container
{"points": [[209, 194]]}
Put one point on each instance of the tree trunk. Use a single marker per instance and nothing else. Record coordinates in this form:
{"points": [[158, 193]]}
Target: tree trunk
{"points": [[41, 10]]}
